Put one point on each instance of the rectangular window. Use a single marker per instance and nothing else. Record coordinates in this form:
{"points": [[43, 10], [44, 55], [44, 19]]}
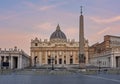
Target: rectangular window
{"points": [[36, 44], [64, 61]]}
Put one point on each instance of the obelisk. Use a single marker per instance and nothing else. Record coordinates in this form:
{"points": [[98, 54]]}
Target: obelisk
{"points": [[81, 40]]}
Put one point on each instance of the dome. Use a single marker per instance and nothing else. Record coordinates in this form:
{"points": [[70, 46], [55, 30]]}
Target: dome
{"points": [[58, 35]]}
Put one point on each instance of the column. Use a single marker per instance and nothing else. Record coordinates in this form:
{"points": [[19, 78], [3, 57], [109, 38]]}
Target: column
{"points": [[46, 60], [54, 57], [37, 60], [63, 59], [40, 59], [73, 57], [86, 51], [86, 55], [32, 58], [67, 57], [4, 61], [0, 62], [5, 58], [113, 61], [108, 62], [20, 62], [11, 62]]}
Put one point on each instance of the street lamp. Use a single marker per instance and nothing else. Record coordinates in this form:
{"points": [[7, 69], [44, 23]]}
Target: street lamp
{"points": [[52, 60]]}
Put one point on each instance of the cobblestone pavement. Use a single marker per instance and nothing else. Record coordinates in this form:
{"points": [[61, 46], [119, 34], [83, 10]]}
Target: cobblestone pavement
{"points": [[34, 76]]}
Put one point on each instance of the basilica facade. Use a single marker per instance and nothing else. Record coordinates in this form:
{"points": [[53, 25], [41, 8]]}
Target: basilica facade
{"points": [[58, 49]]}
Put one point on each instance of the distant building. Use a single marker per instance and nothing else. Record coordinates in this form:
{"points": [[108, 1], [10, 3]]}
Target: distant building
{"points": [[13, 59], [107, 53], [59, 49]]}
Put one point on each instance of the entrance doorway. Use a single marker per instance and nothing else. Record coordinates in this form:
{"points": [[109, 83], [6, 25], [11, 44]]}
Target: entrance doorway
{"points": [[49, 61], [15, 62], [71, 61], [35, 61], [60, 61], [118, 62]]}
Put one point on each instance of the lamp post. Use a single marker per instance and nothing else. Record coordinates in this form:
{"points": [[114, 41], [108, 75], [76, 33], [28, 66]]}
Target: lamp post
{"points": [[52, 61]]}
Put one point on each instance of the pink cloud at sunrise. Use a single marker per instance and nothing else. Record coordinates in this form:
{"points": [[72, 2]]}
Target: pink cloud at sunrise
{"points": [[108, 20], [21, 21]]}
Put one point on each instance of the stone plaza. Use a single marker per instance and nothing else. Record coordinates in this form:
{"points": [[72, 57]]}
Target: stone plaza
{"points": [[33, 76]]}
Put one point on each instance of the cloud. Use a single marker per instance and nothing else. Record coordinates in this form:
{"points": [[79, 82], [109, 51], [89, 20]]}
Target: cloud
{"points": [[99, 35], [42, 8], [46, 26], [10, 38], [104, 30], [109, 20], [6, 17], [71, 32], [13, 15]]}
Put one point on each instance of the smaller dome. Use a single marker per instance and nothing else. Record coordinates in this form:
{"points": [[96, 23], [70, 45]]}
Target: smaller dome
{"points": [[58, 35]]}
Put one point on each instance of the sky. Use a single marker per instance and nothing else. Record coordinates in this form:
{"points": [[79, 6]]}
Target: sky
{"points": [[23, 20]]}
